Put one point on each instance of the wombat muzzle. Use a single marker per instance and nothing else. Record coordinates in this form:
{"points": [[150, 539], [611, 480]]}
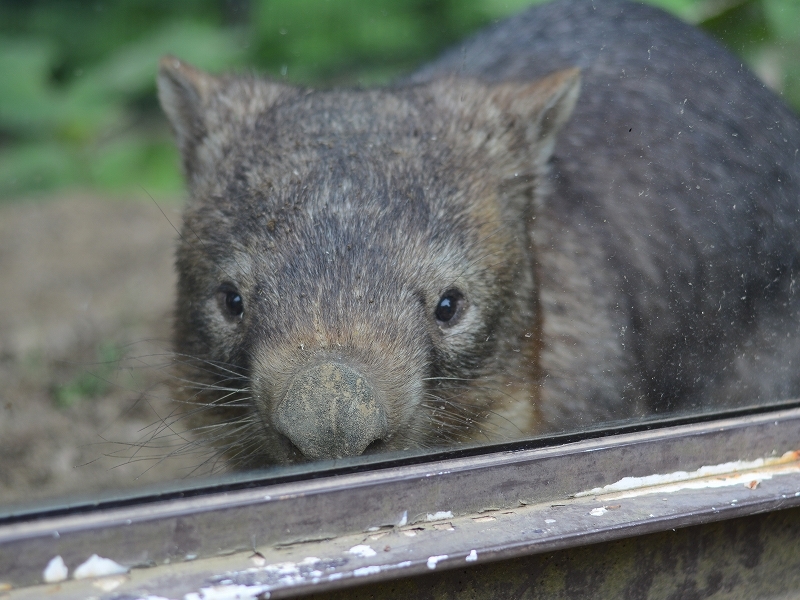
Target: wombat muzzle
{"points": [[330, 411]]}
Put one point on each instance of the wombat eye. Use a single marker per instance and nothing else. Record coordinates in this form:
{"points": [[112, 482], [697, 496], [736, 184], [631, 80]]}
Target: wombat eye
{"points": [[448, 308], [231, 301], [234, 304]]}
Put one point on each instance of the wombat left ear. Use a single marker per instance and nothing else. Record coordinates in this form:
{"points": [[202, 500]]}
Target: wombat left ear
{"points": [[184, 93]]}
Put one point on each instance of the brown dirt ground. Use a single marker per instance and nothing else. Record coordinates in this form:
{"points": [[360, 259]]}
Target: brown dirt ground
{"points": [[85, 280]]}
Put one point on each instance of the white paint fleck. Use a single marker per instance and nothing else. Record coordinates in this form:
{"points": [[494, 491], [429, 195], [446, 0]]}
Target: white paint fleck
{"points": [[410, 533], [549, 521], [109, 584], [432, 560], [55, 570], [472, 556], [97, 566], [258, 560], [190, 557], [362, 551], [373, 528], [438, 516], [230, 592], [599, 511], [373, 569], [403, 519]]}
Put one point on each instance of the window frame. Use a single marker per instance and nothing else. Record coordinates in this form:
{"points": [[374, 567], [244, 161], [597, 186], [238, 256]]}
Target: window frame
{"points": [[228, 533]]}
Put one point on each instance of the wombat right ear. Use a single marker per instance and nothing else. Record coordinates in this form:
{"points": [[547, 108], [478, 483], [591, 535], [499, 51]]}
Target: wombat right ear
{"points": [[184, 93]]}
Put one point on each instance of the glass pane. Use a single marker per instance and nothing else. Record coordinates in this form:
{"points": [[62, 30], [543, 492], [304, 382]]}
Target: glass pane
{"points": [[585, 218]]}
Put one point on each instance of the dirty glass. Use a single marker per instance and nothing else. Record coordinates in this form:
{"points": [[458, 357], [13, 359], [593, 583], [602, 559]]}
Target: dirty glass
{"points": [[502, 248]]}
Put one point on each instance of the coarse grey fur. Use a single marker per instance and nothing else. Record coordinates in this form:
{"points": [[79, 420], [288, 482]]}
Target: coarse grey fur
{"points": [[617, 243]]}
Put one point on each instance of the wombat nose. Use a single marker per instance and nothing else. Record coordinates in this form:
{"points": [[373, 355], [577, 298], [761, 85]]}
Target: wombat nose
{"points": [[330, 411]]}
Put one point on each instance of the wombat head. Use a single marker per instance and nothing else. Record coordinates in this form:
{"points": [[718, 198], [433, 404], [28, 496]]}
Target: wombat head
{"points": [[355, 266]]}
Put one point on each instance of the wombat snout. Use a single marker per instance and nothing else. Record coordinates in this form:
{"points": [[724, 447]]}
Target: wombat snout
{"points": [[330, 411]]}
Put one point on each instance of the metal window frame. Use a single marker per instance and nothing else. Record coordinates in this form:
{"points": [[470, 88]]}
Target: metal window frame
{"points": [[296, 537]]}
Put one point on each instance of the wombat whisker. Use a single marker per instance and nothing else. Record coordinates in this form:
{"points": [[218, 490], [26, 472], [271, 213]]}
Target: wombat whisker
{"points": [[207, 443], [200, 390], [205, 251], [202, 387], [491, 390], [166, 368], [223, 452], [188, 359], [214, 405], [231, 425], [470, 418], [212, 367]]}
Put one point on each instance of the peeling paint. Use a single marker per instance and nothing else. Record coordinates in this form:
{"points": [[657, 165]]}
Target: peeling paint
{"points": [[404, 519], [362, 551], [97, 566], [261, 580], [472, 556], [230, 592], [549, 521], [438, 516], [599, 511], [747, 473], [432, 560], [373, 569], [55, 570], [108, 584], [258, 559]]}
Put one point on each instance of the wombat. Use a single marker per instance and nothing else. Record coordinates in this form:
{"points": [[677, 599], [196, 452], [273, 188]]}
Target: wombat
{"points": [[587, 212]]}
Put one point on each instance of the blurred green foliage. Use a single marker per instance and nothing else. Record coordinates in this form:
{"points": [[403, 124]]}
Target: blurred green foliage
{"points": [[88, 385], [77, 99]]}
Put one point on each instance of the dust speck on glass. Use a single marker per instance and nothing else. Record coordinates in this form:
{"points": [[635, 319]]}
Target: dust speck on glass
{"points": [[259, 236]]}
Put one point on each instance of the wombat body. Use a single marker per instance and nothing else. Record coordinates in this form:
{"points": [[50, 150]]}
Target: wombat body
{"points": [[499, 246]]}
